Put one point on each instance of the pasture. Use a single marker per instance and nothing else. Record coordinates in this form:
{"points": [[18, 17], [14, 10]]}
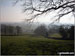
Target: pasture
{"points": [[34, 45]]}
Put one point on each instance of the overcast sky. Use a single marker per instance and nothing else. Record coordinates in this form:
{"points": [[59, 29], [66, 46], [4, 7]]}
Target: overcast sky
{"points": [[9, 13]]}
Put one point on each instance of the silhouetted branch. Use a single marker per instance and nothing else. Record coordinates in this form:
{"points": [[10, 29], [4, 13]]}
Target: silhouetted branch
{"points": [[46, 6]]}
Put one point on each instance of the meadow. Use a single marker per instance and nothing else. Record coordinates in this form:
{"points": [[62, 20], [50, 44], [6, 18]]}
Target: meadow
{"points": [[34, 45]]}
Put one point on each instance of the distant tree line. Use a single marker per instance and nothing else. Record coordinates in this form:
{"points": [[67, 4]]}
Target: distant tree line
{"points": [[67, 32], [44, 31], [10, 30]]}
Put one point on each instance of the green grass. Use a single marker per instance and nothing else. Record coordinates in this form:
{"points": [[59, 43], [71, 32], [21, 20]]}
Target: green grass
{"points": [[29, 45], [56, 35]]}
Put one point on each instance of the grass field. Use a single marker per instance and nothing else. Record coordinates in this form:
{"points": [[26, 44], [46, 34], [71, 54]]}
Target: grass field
{"points": [[31, 45]]}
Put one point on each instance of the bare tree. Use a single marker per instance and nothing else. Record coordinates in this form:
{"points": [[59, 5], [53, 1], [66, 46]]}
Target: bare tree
{"points": [[41, 30], [35, 8], [18, 30]]}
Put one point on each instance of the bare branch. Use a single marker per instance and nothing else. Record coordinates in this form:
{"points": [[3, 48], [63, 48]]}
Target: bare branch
{"points": [[55, 8], [59, 16], [46, 6]]}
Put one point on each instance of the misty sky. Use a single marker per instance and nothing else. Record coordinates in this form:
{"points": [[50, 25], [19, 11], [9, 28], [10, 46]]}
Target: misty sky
{"points": [[9, 13]]}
